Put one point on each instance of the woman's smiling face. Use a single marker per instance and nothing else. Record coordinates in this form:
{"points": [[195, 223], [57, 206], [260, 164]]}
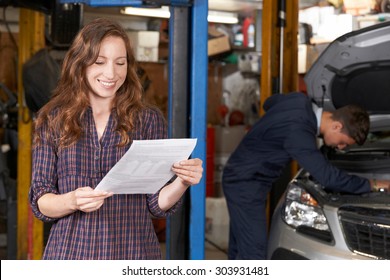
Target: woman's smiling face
{"points": [[109, 71]]}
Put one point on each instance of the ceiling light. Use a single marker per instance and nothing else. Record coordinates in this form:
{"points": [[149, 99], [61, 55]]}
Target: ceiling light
{"points": [[222, 17], [163, 12]]}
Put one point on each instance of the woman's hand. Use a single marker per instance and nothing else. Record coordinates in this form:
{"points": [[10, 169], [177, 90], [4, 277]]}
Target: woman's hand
{"points": [[87, 199], [84, 199], [189, 171]]}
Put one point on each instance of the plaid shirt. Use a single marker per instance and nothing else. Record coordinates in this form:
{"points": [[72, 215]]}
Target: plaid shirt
{"points": [[122, 228]]}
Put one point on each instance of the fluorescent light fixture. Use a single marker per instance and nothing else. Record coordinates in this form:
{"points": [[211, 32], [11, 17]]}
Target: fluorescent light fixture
{"points": [[163, 12], [222, 17]]}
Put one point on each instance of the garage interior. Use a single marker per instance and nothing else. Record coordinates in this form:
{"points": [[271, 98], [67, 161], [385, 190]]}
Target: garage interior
{"points": [[253, 49]]}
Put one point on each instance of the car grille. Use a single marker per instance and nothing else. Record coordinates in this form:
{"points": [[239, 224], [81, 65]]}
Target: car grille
{"points": [[367, 230]]}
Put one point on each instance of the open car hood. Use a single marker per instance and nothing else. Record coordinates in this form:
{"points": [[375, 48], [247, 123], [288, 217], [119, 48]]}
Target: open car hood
{"points": [[354, 69]]}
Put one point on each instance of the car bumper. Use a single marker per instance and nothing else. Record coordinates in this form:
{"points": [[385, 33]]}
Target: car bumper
{"points": [[286, 243]]}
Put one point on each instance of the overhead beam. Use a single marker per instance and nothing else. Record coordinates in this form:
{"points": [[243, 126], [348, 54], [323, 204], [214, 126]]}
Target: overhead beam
{"points": [[132, 3]]}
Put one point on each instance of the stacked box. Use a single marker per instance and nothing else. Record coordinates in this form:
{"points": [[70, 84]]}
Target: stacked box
{"points": [[145, 45]]}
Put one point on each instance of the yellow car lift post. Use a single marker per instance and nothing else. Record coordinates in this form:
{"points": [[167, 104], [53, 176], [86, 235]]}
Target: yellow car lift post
{"points": [[273, 51], [270, 55], [29, 229]]}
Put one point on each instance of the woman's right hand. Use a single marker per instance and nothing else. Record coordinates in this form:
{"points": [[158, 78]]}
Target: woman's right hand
{"points": [[83, 199], [87, 199]]}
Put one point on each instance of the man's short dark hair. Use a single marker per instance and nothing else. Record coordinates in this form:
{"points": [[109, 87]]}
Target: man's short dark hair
{"points": [[355, 120]]}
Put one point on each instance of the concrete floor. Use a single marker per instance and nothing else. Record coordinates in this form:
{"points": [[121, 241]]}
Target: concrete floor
{"points": [[211, 253]]}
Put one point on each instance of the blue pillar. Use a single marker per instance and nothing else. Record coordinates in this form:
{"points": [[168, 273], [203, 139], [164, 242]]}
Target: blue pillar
{"points": [[196, 72], [198, 115]]}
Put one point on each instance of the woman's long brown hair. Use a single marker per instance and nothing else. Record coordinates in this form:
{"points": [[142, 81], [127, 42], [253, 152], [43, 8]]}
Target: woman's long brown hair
{"points": [[70, 98]]}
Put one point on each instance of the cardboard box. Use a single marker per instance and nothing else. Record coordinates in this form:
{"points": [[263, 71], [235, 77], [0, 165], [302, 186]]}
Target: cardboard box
{"points": [[220, 161], [228, 138], [357, 7], [302, 58], [308, 54], [217, 222], [218, 42], [145, 45]]}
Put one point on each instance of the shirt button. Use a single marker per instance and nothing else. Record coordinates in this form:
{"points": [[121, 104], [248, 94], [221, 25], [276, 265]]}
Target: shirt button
{"points": [[97, 157]]}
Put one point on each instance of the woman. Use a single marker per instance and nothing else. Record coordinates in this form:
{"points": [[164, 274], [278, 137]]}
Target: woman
{"points": [[87, 126]]}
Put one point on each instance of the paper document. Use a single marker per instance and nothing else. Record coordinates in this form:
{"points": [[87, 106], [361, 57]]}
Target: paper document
{"points": [[146, 166]]}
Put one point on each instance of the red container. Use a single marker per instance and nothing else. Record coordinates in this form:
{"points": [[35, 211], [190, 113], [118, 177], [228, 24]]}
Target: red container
{"points": [[210, 154]]}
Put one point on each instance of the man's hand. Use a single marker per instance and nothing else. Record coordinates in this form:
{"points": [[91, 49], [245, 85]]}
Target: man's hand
{"points": [[380, 185]]}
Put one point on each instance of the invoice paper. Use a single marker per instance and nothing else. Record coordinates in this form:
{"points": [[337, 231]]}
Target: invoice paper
{"points": [[146, 166]]}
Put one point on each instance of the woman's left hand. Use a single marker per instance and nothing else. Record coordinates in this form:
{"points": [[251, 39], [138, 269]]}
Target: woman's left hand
{"points": [[189, 171]]}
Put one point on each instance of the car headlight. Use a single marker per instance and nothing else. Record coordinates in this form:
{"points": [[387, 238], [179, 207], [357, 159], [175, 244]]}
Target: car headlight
{"points": [[301, 211]]}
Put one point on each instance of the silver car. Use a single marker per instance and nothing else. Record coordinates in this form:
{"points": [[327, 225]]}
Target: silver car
{"points": [[312, 223]]}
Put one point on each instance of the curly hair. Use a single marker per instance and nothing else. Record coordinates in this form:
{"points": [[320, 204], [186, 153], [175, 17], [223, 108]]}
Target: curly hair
{"points": [[64, 112]]}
